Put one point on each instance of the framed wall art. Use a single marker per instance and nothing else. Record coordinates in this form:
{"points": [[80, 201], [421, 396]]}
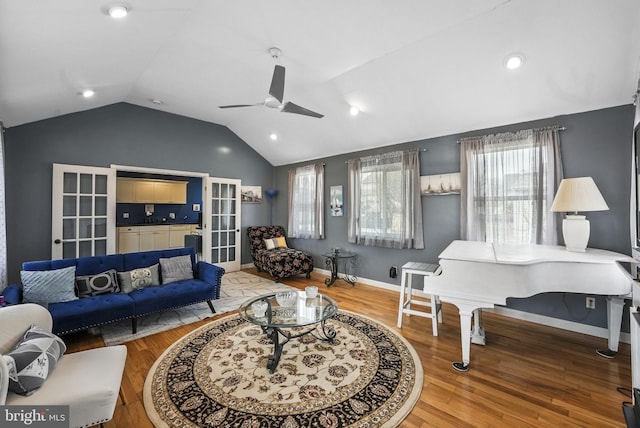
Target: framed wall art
{"points": [[440, 184], [337, 201], [251, 194]]}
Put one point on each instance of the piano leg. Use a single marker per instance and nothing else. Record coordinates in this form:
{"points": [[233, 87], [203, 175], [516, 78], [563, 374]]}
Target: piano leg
{"points": [[615, 306], [477, 335], [465, 335]]}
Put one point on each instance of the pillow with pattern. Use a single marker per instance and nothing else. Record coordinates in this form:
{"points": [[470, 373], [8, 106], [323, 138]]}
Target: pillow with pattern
{"points": [[139, 278], [33, 359], [93, 285], [48, 286], [176, 268]]}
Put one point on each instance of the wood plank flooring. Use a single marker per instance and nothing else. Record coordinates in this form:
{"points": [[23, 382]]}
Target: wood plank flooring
{"points": [[527, 376]]}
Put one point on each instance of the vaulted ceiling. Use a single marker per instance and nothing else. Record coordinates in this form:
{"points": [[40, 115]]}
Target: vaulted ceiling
{"points": [[415, 68]]}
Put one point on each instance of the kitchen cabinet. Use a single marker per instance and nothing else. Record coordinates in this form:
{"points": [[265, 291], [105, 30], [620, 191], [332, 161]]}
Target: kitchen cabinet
{"points": [[154, 238], [150, 191], [128, 239]]}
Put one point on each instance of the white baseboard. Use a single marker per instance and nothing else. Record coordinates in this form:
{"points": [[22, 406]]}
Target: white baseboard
{"points": [[512, 313]]}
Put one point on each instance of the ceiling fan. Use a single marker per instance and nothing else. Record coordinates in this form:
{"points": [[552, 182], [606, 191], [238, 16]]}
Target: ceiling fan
{"points": [[276, 93]]}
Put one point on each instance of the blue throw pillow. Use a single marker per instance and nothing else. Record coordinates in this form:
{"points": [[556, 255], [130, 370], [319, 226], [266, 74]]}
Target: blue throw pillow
{"points": [[48, 286]]}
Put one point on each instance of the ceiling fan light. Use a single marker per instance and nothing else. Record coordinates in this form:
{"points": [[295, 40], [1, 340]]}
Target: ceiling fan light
{"points": [[354, 110], [118, 11]]}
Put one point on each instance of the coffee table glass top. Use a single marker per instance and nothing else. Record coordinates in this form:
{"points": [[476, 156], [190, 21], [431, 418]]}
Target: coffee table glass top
{"points": [[302, 311]]}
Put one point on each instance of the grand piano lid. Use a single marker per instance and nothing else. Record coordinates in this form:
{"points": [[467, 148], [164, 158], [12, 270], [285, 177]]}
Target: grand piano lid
{"points": [[484, 252]]}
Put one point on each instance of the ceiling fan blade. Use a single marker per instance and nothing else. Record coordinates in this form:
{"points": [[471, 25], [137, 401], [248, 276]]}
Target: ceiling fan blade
{"points": [[277, 83], [290, 107], [237, 105]]}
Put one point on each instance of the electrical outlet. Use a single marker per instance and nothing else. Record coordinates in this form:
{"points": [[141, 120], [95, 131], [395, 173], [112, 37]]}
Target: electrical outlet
{"points": [[125, 215], [172, 216], [393, 272], [591, 302]]}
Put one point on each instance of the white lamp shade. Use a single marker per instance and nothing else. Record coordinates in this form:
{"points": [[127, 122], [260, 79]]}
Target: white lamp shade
{"points": [[578, 194]]}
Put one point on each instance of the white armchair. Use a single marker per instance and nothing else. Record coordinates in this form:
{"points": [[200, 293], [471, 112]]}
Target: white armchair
{"points": [[87, 381]]}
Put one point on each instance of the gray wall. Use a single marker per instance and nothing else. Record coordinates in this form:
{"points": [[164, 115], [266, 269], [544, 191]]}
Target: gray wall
{"points": [[596, 144], [121, 134]]}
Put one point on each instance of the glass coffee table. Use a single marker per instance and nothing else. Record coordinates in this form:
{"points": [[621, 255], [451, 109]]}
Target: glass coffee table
{"points": [[283, 318]]}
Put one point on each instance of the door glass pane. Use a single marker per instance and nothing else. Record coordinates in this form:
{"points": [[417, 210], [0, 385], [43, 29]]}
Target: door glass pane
{"points": [[232, 238], [101, 184], [214, 255], [69, 250], [232, 254], [232, 191], [86, 183], [224, 222], [86, 205], [68, 228], [232, 222], [214, 239], [85, 228], [84, 248], [223, 239], [101, 247], [215, 207], [215, 223], [69, 182], [225, 191], [101, 228], [69, 206], [223, 255], [101, 205], [225, 207], [215, 190]]}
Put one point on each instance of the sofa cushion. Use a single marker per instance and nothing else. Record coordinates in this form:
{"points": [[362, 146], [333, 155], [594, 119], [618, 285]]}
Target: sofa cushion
{"points": [[172, 295], [176, 269], [93, 285], [84, 313], [139, 278], [48, 286], [32, 359]]}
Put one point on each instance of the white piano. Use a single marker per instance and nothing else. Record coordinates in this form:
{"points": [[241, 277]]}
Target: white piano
{"points": [[478, 275]]}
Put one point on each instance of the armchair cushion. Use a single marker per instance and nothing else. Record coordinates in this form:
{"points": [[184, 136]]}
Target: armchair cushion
{"points": [[32, 359]]}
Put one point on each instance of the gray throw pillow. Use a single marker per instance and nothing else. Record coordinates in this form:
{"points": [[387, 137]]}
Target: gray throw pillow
{"points": [[48, 286], [33, 359], [139, 278], [93, 285], [176, 269]]}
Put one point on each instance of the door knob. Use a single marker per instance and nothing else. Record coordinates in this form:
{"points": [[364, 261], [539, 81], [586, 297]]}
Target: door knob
{"points": [[57, 241]]}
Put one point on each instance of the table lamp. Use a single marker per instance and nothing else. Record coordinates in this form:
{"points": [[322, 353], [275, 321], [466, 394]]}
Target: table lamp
{"points": [[574, 195]]}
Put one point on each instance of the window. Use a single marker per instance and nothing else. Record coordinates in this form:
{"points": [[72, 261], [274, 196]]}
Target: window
{"points": [[509, 182], [306, 206], [384, 201]]}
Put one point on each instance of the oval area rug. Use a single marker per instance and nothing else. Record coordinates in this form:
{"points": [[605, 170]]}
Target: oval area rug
{"points": [[216, 376]]}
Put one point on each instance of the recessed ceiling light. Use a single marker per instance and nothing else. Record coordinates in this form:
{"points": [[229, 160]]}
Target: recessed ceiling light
{"points": [[156, 101], [88, 93], [273, 136], [513, 61], [118, 11], [354, 110]]}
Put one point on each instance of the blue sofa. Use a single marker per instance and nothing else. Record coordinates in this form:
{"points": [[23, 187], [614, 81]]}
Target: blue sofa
{"points": [[87, 312]]}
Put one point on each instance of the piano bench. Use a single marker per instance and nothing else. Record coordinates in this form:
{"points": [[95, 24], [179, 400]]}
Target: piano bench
{"points": [[407, 298]]}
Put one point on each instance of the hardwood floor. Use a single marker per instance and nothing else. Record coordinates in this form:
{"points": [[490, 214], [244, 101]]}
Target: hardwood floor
{"points": [[527, 376]]}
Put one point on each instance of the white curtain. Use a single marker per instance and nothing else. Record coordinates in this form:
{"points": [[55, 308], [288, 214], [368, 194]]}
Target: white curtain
{"points": [[3, 223], [384, 208], [306, 202], [508, 185]]}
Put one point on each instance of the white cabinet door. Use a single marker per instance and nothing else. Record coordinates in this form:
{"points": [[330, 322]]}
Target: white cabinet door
{"points": [[83, 211]]}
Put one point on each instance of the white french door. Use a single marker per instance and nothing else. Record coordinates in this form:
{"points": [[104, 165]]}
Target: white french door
{"points": [[221, 240], [83, 211]]}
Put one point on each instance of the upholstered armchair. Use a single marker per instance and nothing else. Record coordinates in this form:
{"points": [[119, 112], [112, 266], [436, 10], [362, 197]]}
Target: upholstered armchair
{"points": [[271, 253], [87, 381]]}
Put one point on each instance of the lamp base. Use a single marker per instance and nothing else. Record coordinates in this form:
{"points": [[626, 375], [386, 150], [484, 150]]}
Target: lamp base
{"points": [[576, 230]]}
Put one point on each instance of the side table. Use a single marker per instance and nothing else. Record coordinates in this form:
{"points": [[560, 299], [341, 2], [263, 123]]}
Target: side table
{"points": [[332, 260]]}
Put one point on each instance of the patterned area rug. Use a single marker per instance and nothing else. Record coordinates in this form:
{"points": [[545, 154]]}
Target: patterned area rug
{"points": [[216, 376], [237, 287]]}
